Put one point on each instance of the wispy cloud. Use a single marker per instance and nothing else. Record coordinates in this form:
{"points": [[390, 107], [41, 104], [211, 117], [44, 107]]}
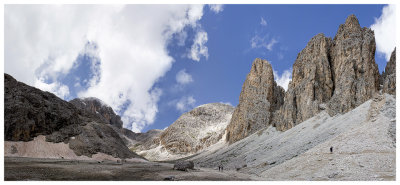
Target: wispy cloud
{"points": [[263, 22], [199, 48], [183, 104], [262, 42], [216, 7], [183, 78], [385, 31]]}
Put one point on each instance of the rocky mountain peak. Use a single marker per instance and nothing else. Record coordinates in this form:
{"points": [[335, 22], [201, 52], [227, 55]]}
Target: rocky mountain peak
{"points": [[197, 129], [260, 97], [30, 112], [352, 22], [98, 108], [334, 75], [312, 84]]}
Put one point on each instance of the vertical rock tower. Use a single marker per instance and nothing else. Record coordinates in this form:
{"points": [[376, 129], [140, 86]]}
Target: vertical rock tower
{"points": [[389, 76], [311, 86], [337, 75], [356, 75], [259, 98]]}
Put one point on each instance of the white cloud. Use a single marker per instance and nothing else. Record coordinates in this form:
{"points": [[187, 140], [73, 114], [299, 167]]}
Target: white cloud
{"points": [[284, 79], [263, 22], [198, 48], [183, 78], [43, 41], [56, 88], [216, 7], [385, 31], [262, 42], [185, 103]]}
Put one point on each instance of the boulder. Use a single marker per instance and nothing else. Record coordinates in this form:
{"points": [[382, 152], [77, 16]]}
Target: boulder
{"points": [[184, 165]]}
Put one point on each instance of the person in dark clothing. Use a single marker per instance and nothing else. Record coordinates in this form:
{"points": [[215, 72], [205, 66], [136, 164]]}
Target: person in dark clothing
{"points": [[331, 149], [220, 167]]}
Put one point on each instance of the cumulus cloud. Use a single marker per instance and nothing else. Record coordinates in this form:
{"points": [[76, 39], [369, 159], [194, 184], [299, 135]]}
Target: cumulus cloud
{"points": [[385, 31], [56, 88], [263, 22], [284, 79], [199, 48], [42, 43], [183, 78], [216, 7], [185, 103]]}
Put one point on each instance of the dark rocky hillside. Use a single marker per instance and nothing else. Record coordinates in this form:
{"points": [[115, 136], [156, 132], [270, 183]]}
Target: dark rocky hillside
{"points": [[30, 112]]}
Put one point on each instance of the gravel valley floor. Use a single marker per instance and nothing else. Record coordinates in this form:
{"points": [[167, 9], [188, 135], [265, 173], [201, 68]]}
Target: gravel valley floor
{"points": [[36, 169]]}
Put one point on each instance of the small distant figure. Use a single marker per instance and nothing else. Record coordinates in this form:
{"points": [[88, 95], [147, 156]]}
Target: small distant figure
{"points": [[220, 168], [331, 149]]}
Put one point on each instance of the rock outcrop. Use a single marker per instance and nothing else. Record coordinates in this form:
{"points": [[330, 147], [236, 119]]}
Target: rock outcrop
{"points": [[334, 75], [259, 98], [356, 75], [197, 129], [311, 86], [30, 112], [99, 108], [389, 75]]}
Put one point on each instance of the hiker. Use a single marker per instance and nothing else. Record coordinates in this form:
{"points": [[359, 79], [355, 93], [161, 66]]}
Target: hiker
{"points": [[220, 167], [331, 149]]}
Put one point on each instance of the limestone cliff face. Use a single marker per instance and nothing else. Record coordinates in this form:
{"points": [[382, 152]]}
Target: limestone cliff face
{"points": [[356, 75], [389, 75], [259, 98], [337, 75], [196, 129], [311, 86]]}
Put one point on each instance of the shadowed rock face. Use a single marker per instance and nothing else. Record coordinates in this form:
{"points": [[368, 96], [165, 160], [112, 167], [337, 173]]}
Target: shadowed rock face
{"points": [[356, 75], [97, 107], [311, 85], [259, 98], [29, 112], [389, 75]]}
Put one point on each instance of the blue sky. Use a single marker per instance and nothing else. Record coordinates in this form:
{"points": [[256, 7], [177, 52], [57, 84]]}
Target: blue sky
{"points": [[204, 61]]}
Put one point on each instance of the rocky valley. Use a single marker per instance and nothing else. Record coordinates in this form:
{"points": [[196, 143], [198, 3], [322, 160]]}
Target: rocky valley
{"points": [[337, 100]]}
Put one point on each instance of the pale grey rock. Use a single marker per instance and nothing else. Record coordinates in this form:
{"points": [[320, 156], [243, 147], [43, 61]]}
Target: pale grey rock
{"points": [[196, 129]]}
